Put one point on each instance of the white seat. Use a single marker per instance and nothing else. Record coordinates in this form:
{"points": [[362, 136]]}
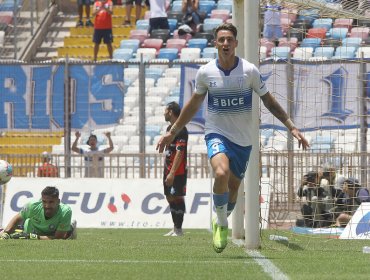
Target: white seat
{"points": [[129, 149], [127, 130], [148, 53], [365, 50], [190, 53], [159, 91], [263, 52], [131, 101], [131, 73], [153, 101], [156, 120], [303, 53], [170, 82], [135, 140], [149, 82], [57, 149], [159, 110], [135, 111], [130, 120], [173, 73]]}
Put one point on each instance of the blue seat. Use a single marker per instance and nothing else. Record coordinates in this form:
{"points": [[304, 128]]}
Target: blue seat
{"points": [[344, 52], [123, 54], [225, 5], [209, 52], [326, 23], [280, 52], [176, 6], [308, 15], [152, 130], [171, 98], [175, 91], [130, 44], [206, 7], [168, 53], [352, 42], [210, 24], [338, 33], [142, 24], [198, 43], [172, 22], [324, 52], [311, 42], [154, 73]]}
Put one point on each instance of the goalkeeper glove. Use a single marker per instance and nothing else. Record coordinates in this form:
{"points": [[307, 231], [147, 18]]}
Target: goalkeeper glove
{"points": [[5, 235], [24, 235]]}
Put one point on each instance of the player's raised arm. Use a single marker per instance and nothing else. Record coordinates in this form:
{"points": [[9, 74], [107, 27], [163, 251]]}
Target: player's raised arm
{"points": [[274, 107], [189, 110]]}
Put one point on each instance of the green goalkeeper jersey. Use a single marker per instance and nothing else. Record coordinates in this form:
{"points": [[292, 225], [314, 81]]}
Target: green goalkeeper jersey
{"points": [[35, 222]]}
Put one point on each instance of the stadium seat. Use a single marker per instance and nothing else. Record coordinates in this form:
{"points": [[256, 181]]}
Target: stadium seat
{"points": [[159, 91], [225, 5], [311, 42], [221, 14], [344, 52], [176, 43], [163, 34], [173, 72], [142, 24], [323, 23], [130, 44], [327, 52], [338, 33], [302, 25], [198, 43], [210, 24], [343, 22], [148, 53], [206, 7], [291, 42], [122, 54], [171, 98], [360, 32], [140, 35], [352, 42], [316, 33], [153, 101], [169, 82], [308, 14], [364, 50], [153, 129], [209, 52], [268, 44], [176, 6], [280, 53], [303, 53], [172, 22], [168, 53], [154, 73], [295, 33], [263, 52], [205, 35], [153, 43], [176, 15], [190, 53]]}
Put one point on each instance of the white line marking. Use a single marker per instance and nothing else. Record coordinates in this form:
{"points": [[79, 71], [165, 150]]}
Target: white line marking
{"points": [[262, 261], [125, 261]]}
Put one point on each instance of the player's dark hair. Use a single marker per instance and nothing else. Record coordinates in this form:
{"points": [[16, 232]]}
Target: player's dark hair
{"points": [[50, 191], [174, 107], [91, 136], [228, 27]]}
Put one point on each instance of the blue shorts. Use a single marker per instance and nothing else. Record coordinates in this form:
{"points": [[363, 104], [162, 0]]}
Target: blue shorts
{"points": [[105, 34], [238, 155], [272, 32]]}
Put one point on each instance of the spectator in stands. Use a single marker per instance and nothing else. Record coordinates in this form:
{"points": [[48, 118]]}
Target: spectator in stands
{"points": [[228, 83], [129, 4], [43, 219], [313, 210], [103, 10], [158, 15], [81, 4], [349, 200], [272, 24], [47, 169], [175, 170], [94, 158], [191, 13]]}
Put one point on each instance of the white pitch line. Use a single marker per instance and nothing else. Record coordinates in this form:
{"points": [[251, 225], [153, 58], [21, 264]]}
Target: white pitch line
{"points": [[122, 261], [262, 261]]}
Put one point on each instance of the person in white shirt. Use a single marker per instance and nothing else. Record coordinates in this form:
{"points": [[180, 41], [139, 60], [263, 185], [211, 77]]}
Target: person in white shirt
{"points": [[158, 15], [228, 82], [94, 158]]}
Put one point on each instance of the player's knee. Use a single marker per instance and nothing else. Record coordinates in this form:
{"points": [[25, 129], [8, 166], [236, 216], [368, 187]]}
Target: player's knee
{"points": [[221, 174]]}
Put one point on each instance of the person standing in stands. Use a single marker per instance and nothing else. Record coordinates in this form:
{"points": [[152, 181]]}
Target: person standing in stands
{"points": [[129, 4], [81, 4], [272, 24], [158, 15], [103, 11], [47, 169]]}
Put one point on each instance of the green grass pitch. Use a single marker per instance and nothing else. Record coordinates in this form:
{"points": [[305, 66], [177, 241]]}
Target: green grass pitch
{"points": [[146, 254]]}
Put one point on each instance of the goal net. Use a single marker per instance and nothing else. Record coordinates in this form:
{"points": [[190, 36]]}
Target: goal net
{"points": [[318, 71]]}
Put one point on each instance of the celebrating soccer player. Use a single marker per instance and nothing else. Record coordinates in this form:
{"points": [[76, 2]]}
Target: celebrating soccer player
{"points": [[229, 82]]}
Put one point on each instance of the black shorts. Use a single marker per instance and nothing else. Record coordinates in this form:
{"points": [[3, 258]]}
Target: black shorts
{"points": [[131, 2], [178, 188], [105, 34], [158, 23]]}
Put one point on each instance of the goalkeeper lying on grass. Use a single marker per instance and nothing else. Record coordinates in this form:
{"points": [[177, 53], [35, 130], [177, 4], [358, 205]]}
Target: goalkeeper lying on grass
{"points": [[45, 219]]}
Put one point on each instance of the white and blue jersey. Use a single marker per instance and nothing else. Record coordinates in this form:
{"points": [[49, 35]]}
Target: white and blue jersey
{"points": [[230, 98]]}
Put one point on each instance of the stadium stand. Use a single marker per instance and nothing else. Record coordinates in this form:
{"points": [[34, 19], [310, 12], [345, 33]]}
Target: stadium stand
{"points": [[168, 53]]}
